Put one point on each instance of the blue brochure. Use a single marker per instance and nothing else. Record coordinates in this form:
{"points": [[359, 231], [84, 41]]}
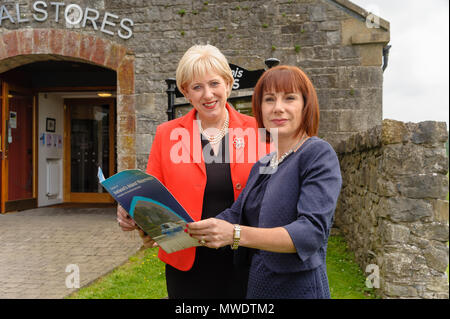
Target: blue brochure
{"points": [[152, 206]]}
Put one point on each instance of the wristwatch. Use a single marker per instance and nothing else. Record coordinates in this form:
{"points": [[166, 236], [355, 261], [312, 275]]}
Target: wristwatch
{"points": [[236, 237]]}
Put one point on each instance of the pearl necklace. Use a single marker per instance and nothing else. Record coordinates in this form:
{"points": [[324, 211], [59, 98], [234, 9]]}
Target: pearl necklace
{"points": [[274, 162], [213, 140]]}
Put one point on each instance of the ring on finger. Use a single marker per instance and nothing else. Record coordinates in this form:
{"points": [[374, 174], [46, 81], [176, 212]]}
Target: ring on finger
{"points": [[202, 242]]}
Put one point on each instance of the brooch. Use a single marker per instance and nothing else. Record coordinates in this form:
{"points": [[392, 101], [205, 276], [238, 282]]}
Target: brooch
{"points": [[238, 142]]}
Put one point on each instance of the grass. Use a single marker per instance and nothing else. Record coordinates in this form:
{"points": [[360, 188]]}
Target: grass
{"points": [[143, 277], [347, 280]]}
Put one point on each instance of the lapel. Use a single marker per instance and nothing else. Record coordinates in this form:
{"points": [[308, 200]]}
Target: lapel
{"points": [[248, 187], [193, 145]]}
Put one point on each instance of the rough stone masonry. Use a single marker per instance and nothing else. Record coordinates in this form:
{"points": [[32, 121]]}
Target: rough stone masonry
{"points": [[392, 208]]}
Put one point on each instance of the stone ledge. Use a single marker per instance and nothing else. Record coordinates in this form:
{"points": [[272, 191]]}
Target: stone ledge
{"points": [[370, 38], [361, 141], [425, 133]]}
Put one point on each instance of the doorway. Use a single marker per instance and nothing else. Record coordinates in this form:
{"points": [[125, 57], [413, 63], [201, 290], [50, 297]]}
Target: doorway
{"points": [[55, 131], [90, 144]]}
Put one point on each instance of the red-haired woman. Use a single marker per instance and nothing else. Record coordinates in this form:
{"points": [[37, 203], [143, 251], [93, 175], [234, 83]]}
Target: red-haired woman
{"points": [[282, 219]]}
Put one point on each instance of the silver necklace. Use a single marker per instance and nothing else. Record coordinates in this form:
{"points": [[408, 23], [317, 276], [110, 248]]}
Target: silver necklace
{"points": [[274, 162], [213, 140]]}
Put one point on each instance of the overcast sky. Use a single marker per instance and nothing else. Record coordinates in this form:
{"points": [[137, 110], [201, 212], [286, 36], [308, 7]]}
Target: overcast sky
{"points": [[417, 78]]}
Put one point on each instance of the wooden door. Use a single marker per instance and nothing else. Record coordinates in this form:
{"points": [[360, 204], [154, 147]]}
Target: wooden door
{"points": [[89, 143], [18, 148]]}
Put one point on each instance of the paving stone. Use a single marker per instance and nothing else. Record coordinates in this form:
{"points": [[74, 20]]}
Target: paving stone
{"points": [[38, 245]]}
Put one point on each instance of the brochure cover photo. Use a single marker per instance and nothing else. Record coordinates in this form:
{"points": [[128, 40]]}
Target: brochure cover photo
{"points": [[154, 209]]}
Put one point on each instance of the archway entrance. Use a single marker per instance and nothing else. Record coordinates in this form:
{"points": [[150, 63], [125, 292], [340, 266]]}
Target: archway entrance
{"points": [[56, 131], [24, 46]]}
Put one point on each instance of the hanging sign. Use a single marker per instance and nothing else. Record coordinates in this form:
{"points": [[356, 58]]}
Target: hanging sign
{"points": [[72, 16], [244, 79]]}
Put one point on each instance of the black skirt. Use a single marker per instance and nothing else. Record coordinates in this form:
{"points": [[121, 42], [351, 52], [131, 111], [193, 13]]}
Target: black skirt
{"points": [[213, 274]]}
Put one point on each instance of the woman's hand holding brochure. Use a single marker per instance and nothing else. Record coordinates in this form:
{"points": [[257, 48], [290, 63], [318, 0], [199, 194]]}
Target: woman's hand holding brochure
{"points": [[124, 220]]}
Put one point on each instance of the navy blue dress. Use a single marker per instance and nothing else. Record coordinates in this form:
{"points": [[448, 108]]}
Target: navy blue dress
{"points": [[310, 284], [300, 196]]}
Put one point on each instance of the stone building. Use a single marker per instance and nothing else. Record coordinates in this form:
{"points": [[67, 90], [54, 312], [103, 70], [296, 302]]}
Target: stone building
{"points": [[83, 83]]}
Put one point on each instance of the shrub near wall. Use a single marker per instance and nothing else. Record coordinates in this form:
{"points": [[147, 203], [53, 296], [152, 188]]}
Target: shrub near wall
{"points": [[392, 207]]}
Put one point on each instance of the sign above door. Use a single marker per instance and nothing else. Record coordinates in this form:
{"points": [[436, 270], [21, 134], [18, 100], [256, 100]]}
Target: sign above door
{"points": [[73, 16]]}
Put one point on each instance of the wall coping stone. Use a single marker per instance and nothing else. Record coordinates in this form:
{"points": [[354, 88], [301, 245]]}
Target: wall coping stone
{"points": [[427, 133], [383, 38]]}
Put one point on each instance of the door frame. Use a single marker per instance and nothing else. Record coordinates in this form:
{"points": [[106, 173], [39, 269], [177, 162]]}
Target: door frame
{"points": [[23, 203], [69, 196], [4, 97]]}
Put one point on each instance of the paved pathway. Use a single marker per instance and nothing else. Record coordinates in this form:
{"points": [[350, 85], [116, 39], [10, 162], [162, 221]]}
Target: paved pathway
{"points": [[37, 245]]}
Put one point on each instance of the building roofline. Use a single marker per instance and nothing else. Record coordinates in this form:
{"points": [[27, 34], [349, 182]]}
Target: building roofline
{"points": [[360, 13]]}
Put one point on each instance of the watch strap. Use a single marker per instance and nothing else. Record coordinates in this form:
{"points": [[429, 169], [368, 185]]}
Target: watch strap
{"points": [[236, 237]]}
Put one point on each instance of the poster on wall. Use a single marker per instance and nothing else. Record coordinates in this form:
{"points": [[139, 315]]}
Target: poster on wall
{"points": [[48, 140]]}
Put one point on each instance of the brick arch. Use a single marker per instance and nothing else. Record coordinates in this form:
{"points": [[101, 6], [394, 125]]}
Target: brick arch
{"points": [[23, 46]]}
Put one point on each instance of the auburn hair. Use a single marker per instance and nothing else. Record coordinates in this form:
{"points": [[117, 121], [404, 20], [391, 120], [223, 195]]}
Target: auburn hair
{"points": [[288, 79]]}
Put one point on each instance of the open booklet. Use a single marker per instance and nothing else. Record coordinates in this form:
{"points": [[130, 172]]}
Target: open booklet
{"points": [[154, 209]]}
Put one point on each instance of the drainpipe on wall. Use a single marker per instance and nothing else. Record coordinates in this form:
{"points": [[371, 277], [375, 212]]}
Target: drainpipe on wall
{"points": [[386, 56]]}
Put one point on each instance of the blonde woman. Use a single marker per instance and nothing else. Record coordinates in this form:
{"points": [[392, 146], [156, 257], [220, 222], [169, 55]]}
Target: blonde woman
{"points": [[195, 158]]}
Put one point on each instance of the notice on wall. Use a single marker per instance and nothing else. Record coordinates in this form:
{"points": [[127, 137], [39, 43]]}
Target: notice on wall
{"points": [[51, 140], [48, 139], [12, 119]]}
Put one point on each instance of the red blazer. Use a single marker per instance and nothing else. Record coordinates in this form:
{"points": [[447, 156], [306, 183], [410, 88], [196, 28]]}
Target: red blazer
{"points": [[176, 159]]}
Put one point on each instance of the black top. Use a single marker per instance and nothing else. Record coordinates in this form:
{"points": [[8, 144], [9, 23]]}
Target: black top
{"points": [[213, 274]]}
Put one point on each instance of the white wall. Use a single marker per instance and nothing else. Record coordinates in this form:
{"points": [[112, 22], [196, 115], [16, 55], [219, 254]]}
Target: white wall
{"points": [[50, 157]]}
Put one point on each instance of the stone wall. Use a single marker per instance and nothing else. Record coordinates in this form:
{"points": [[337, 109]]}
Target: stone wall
{"points": [[392, 208], [316, 35], [329, 39]]}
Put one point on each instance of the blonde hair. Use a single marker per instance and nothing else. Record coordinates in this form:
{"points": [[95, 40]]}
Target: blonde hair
{"points": [[200, 60]]}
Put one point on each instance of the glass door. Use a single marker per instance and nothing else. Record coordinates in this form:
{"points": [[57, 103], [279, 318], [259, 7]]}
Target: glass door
{"points": [[90, 132]]}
